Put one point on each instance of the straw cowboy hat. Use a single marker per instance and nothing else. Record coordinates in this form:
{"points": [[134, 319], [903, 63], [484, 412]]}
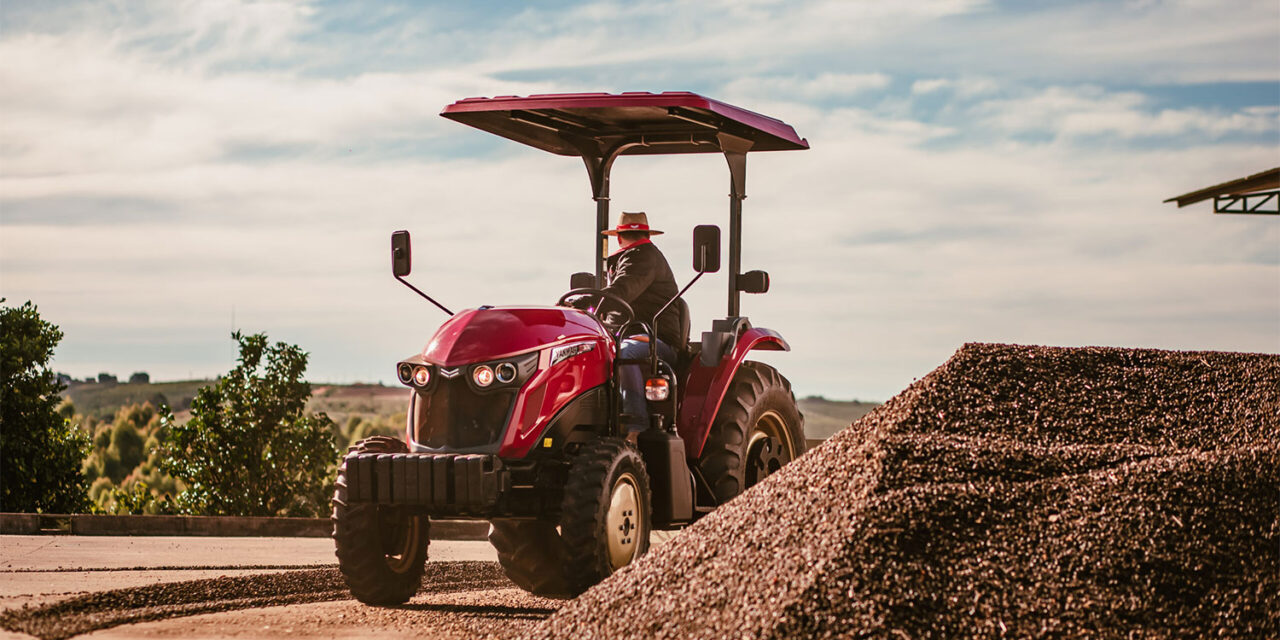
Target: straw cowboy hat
{"points": [[632, 222]]}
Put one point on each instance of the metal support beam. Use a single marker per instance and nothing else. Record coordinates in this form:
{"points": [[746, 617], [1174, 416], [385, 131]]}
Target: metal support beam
{"points": [[1263, 180], [1262, 202], [735, 152]]}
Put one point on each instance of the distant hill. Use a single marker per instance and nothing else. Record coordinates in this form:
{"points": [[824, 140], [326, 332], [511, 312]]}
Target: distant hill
{"points": [[102, 400], [822, 417]]}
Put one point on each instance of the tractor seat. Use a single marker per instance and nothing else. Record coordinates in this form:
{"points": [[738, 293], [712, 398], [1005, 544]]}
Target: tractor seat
{"points": [[684, 353]]}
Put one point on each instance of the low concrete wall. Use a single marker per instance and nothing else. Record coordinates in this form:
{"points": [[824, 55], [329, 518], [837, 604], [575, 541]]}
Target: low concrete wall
{"points": [[19, 524], [214, 526]]}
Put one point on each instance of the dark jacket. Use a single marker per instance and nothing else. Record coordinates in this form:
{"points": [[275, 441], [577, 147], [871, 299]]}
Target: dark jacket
{"points": [[640, 275]]}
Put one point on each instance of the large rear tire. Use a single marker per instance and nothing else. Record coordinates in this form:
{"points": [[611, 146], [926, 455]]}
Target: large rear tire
{"points": [[382, 551], [758, 429], [604, 525]]}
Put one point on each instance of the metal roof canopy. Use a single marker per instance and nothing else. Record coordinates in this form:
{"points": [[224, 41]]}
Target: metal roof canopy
{"points": [[1244, 195], [599, 127]]}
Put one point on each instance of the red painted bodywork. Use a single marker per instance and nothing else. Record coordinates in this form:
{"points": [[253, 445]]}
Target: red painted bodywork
{"points": [[479, 335], [483, 335], [706, 386], [550, 389], [635, 113]]}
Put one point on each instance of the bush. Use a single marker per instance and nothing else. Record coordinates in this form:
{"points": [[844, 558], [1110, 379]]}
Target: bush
{"points": [[250, 448], [41, 452], [126, 445]]}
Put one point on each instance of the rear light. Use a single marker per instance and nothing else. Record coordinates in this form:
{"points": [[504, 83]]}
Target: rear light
{"points": [[482, 375], [656, 389], [421, 376], [405, 373]]}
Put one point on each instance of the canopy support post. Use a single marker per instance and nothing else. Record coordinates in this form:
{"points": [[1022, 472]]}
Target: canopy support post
{"points": [[599, 166], [735, 153]]}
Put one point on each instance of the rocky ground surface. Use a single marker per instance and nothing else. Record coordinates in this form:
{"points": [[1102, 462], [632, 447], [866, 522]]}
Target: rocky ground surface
{"points": [[57, 586], [436, 614], [108, 609], [1015, 491]]}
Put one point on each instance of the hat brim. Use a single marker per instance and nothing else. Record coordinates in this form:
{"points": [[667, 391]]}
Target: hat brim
{"points": [[614, 232]]}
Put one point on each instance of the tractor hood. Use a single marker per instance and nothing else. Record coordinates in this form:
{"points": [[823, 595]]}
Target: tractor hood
{"points": [[493, 333]]}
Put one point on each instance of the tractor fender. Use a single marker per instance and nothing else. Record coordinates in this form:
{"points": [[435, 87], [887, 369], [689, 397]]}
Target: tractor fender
{"points": [[706, 386]]}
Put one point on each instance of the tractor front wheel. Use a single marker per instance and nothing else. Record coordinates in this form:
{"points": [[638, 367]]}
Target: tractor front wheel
{"points": [[605, 517], [532, 555], [604, 525], [381, 551], [757, 430]]}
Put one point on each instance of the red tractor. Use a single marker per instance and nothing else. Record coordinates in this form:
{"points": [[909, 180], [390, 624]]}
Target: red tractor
{"points": [[514, 415]]}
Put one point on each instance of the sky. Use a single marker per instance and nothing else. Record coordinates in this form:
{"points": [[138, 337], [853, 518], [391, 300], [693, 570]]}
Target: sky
{"points": [[979, 172]]}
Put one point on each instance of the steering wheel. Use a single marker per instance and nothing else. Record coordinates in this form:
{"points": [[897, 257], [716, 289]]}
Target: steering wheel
{"points": [[630, 314]]}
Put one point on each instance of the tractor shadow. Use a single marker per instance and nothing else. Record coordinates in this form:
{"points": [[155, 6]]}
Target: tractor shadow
{"points": [[499, 612]]}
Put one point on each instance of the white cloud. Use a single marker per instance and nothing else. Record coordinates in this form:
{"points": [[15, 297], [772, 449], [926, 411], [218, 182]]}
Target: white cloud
{"points": [[133, 204], [1090, 111], [965, 87], [85, 105], [824, 86]]}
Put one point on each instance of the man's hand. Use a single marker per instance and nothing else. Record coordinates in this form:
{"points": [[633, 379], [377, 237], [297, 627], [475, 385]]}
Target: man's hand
{"points": [[633, 437], [582, 302]]}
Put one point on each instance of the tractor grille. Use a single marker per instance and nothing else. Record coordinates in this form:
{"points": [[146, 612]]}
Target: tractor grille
{"points": [[453, 416]]}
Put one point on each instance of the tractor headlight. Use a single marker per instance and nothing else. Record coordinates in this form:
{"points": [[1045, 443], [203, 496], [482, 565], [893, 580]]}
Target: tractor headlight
{"points": [[505, 372], [405, 373], [482, 375], [421, 376]]}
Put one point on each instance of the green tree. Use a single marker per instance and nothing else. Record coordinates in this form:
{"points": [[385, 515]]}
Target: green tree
{"points": [[40, 450], [250, 448]]}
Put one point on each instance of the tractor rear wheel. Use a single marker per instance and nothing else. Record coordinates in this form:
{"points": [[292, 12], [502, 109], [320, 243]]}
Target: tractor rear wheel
{"points": [[758, 429], [381, 551]]}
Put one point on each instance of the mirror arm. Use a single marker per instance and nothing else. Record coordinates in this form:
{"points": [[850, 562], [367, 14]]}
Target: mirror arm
{"points": [[429, 298], [653, 336]]}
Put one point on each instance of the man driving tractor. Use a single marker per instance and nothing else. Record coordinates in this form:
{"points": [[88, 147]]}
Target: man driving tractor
{"points": [[520, 415], [638, 273]]}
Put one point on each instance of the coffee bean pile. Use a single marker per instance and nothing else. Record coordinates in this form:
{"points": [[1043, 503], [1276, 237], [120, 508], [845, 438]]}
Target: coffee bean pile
{"points": [[1015, 491]]}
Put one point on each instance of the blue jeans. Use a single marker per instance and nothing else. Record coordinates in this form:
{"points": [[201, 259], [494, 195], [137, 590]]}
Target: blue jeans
{"points": [[631, 380]]}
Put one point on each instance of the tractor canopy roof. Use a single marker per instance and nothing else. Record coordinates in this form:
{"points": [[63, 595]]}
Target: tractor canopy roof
{"points": [[637, 123]]}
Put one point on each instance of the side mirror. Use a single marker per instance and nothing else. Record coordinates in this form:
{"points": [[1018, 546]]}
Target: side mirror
{"points": [[582, 280], [753, 282], [706, 248], [400, 258]]}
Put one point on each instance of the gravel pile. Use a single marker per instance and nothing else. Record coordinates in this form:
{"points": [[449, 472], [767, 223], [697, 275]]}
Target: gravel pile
{"points": [[1020, 491]]}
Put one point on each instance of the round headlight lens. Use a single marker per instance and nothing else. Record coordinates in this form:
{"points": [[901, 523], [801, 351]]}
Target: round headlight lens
{"points": [[421, 376], [506, 372], [482, 375], [405, 373]]}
